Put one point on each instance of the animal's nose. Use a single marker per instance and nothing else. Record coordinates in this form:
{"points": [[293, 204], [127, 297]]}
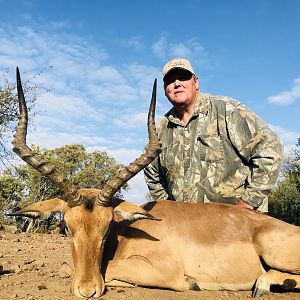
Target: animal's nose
{"points": [[87, 292], [92, 287]]}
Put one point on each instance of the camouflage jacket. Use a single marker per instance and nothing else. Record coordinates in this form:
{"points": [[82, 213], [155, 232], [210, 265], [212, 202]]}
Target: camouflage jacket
{"points": [[225, 153]]}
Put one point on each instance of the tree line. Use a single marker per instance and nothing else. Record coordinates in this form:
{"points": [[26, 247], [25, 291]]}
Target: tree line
{"points": [[22, 185], [284, 200]]}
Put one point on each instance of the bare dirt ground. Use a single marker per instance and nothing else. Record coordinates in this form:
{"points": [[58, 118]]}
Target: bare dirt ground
{"points": [[37, 266]]}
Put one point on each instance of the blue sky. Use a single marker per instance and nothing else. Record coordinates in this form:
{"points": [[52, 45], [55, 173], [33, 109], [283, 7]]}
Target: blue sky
{"points": [[99, 60]]}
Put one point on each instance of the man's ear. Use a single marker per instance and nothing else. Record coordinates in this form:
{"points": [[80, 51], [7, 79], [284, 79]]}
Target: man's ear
{"points": [[197, 82], [130, 211], [42, 209]]}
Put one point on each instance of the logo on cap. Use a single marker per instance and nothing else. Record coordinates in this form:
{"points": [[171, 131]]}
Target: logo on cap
{"points": [[179, 63]]}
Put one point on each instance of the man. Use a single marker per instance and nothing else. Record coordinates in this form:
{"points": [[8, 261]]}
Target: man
{"points": [[214, 149]]}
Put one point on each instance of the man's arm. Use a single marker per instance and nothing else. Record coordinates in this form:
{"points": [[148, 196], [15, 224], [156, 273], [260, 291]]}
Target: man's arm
{"points": [[264, 165], [263, 150], [156, 181]]}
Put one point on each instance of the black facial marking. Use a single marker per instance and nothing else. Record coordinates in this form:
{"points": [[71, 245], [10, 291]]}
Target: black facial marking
{"points": [[89, 205]]}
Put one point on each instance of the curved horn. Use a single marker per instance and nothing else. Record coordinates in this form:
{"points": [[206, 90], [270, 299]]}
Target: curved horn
{"points": [[151, 151], [35, 160]]}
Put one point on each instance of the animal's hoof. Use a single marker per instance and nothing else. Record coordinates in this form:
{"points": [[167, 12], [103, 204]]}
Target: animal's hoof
{"points": [[194, 287], [259, 293], [289, 284]]}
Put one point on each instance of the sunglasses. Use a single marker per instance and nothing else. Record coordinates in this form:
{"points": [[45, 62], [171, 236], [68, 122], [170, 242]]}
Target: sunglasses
{"points": [[177, 75]]}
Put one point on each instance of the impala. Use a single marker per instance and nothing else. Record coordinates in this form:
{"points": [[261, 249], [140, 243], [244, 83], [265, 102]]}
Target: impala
{"points": [[162, 244]]}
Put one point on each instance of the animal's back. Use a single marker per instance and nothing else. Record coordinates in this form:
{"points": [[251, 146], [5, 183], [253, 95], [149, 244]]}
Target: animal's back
{"points": [[217, 246]]}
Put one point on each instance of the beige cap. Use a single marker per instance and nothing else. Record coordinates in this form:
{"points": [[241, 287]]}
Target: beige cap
{"points": [[177, 63]]}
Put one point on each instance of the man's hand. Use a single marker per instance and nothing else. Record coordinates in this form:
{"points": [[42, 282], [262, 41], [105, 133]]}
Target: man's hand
{"points": [[244, 204]]}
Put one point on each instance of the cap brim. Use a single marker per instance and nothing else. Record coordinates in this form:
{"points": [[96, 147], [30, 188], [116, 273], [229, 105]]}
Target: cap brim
{"points": [[177, 68]]}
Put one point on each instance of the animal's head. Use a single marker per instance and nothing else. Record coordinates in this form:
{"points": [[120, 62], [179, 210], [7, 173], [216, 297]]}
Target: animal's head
{"points": [[87, 212]]}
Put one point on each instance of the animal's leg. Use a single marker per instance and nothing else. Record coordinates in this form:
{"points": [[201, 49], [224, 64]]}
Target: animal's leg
{"points": [[30, 225], [119, 283], [274, 277], [140, 271], [278, 244]]}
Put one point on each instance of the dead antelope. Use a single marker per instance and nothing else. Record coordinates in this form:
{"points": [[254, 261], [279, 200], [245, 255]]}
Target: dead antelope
{"points": [[165, 244]]}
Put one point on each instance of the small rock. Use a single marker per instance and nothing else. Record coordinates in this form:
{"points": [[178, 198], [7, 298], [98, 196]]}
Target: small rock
{"points": [[11, 229], [42, 287], [41, 273], [31, 267], [49, 247], [65, 271], [28, 261], [17, 269], [232, 293]]}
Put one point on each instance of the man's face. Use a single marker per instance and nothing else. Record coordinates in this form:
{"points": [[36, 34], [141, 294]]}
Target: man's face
{"points": [[181, 87]]}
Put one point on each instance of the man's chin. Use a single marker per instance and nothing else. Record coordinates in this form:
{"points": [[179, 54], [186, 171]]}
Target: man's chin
{"points": [[179, 101]]}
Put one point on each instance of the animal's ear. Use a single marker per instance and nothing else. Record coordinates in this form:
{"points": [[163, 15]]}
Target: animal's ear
{"points": [[42, 209], [130, 211]]}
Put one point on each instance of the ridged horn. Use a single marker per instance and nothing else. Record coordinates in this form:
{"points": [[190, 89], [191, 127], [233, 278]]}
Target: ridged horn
{"points": [[151, 152], [33, 159]]}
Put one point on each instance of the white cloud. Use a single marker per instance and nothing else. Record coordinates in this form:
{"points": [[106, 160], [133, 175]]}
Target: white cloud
{"points": [[138, 191], [134, 42], [48, 138], [288, 138], [85, 91], [287, 97], [107, 73], [64, 106], [159, 48], [124, 155], [59, 25], [114, 94], [138, 121], [42, 121], [32, 50], [190, 49], [180, 50]]}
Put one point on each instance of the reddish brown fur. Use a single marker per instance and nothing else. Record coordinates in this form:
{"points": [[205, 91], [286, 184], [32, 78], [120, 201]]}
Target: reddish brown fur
{"points": [[205, 246]]}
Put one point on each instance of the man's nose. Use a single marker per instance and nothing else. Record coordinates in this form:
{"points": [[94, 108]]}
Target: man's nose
{"points": [[177, 82]]}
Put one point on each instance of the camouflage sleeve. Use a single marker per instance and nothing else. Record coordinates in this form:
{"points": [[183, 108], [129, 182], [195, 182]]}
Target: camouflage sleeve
{"points": [[262, 151], [156, 181]]}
